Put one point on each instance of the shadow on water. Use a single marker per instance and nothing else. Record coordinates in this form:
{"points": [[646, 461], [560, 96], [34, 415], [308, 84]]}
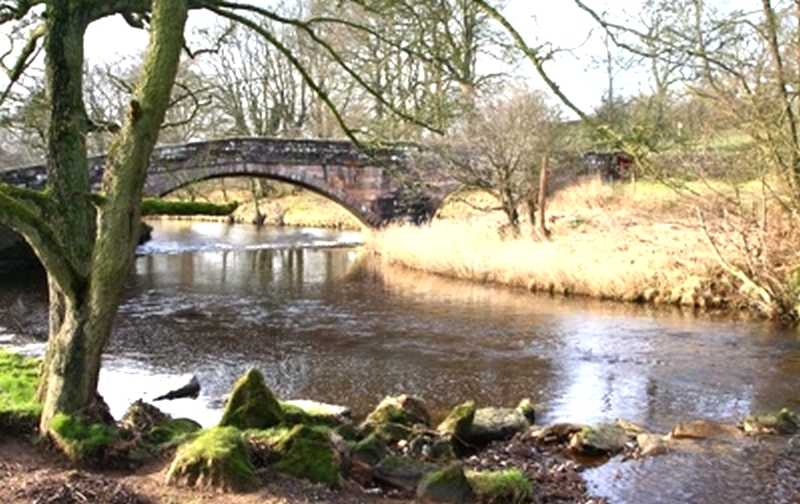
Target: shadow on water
{"points": [[329, 324]]}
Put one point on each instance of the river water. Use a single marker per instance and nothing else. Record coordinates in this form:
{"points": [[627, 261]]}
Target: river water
{"points": [[311, 311]]}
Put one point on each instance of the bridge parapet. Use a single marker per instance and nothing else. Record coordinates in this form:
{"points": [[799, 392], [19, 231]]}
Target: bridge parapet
{"points": [[364, 180]]}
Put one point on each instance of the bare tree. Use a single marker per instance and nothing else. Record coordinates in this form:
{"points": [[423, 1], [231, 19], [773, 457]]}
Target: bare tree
{"points": [[744, 64], [500, 148]]}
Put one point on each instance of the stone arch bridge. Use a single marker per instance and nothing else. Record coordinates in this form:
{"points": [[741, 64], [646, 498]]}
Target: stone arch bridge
{"points": [[370, 183]]}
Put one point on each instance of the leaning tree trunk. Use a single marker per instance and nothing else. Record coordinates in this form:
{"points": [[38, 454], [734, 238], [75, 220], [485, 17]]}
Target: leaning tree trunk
{"points": [[89, 252]]}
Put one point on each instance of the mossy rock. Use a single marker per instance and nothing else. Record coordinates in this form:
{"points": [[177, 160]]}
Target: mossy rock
{"points": [[429, 447], [173, 429], [601, 440], [509, 485], [527, 409], [391, 432], [402, 472], [404, 410], [142, 416], [313, 413], [780, 422], [216, 459], [446, 485], [309, 454], [496, 424], [251, 405], [459, 422], [370, 450]]}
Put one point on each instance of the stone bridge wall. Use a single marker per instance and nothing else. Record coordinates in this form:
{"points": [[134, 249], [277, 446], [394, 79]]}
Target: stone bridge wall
{"points": [[364, 181]]}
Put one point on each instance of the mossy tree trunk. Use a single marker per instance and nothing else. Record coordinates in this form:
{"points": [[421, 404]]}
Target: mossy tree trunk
{"points": [[86, 243]]}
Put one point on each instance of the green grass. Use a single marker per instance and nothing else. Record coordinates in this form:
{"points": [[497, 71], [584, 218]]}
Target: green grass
{"points": [[509, 485], [155, 206], [18, 380], [81, 440]]}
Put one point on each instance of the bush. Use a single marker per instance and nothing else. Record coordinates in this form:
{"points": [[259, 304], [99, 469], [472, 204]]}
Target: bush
{"points": [[155, 206]]}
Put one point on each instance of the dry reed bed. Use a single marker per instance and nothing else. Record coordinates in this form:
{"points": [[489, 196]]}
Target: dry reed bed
{"points": [[606, 242]]}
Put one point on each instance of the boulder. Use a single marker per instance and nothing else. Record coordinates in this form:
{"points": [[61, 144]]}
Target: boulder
{"points": [[172, 430], [316, 408], [370, 450], [559, 433], [448, 485], [600, 440], [458, 423], [142, 416], [527, 409], [391, 432], [216, 459], [302, 411], [780, 423], [404, 410], [430, 447], [185, 386], [651, 445], [495, 424], [402, 472], [309, 454], [704, 429], [632, 429], [251, 405]]}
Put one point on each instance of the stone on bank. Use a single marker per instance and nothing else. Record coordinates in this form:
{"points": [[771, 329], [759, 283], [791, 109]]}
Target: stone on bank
{"points": [[216, 459], [252, 404]]}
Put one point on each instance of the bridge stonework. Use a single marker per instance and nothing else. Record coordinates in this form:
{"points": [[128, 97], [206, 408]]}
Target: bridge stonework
{"points": [[365, 182]]}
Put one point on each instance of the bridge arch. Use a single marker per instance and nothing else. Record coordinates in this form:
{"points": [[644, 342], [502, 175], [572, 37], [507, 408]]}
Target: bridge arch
{"points": [[366, 216]]}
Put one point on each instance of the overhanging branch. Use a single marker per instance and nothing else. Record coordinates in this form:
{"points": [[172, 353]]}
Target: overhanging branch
{"points": [[308, 30], [26, 218]]}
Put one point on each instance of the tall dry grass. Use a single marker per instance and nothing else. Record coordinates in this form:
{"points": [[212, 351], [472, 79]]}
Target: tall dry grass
{"points": [[610, 242]]}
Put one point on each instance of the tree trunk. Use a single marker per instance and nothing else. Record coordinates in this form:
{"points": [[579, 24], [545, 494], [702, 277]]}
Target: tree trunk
{"points": [[541, 226], [86, 288], [72, 364], [509, 205]]}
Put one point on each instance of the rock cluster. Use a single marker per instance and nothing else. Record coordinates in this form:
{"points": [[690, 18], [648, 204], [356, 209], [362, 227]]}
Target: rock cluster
{"points": [[488, 454]]}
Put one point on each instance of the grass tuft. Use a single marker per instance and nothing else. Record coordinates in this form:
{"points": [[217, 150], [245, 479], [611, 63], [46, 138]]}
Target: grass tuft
{"points": [[79, 440], [18, 380], [508, 486]]}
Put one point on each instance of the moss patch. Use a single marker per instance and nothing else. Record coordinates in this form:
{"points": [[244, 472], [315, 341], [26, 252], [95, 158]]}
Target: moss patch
{"points": [[216, 459], [403, 410], [172, 431], [459, 422], [251, 404], [509, 485], [18, 380], [81, 441], [309, 454]]}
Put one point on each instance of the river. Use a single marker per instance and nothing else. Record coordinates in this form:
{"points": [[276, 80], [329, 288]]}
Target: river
{"points": [[314, 313]]}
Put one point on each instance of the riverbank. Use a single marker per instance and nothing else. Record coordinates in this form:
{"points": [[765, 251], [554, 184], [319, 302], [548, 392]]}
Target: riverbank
{"points": [[607, 241]]}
